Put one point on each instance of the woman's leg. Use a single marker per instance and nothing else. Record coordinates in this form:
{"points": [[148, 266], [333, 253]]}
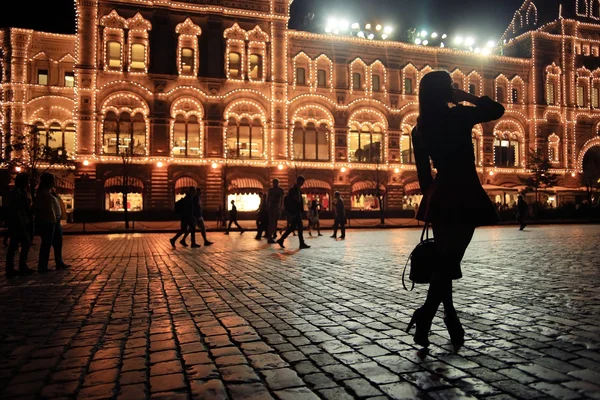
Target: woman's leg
{"points": [[451, 243]]}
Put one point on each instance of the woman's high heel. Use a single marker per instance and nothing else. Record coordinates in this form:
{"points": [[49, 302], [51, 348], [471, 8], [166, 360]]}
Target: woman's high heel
{"points": [[423, 323], [456, 331]]}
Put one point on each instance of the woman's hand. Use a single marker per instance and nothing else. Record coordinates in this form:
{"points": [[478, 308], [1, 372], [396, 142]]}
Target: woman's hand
{"points": [[461, 95]]}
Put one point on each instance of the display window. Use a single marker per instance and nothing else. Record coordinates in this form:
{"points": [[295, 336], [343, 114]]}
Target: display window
{"points": [[114, 202], [411, 202], [68, 199], [322, 199], [244, 202], [365, 202]]}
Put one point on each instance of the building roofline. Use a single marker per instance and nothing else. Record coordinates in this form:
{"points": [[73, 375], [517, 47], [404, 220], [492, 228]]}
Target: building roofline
{"points": [[406, 46]]}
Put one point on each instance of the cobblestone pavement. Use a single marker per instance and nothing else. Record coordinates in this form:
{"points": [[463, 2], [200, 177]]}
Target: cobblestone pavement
{"points": [[133, 319]]}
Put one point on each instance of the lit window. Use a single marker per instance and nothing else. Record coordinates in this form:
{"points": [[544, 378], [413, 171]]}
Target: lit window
{"points": [[550, 96], [506, 153], [580, 96], [256, 67], [244, 138], [235, 65], [114, 54], [408, 86], [553, 148], [376, 83], [515, 96], [187, 60], [595, 97], [472, 88], [69, 79], [356, 81], [311, 143], [186, 137], [123, 134], [322, 78], [366, 144], [138, 56], [407, 154], [42, 77], [300, 76]]}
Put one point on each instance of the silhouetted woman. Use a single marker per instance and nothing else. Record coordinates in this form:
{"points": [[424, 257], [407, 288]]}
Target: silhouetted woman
{"points": [[454, 202]]}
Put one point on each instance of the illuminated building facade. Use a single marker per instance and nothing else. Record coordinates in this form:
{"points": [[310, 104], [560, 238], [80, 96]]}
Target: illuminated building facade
{"points": [[226, 97]]}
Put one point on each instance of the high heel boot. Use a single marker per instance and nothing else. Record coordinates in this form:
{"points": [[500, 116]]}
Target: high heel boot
{"points": [[423, 322], [455, 329]]}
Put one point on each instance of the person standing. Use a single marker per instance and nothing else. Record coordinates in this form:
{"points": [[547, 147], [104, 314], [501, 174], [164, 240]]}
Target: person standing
{"points": [[262, 220], [185, 208], [522, 212], [339, 217], [294, 206], [17, 219], [454, 202], [313, 218], [233, 219], [274, 205], [48, 213]]}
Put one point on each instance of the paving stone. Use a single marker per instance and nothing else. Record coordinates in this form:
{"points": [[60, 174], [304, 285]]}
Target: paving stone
{"points": [[361, 387], [125, 312], [281, 378], [249, 391]]}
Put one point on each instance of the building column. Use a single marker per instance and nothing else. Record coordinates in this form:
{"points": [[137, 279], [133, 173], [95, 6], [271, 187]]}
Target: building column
{"points": [[85, 76]]}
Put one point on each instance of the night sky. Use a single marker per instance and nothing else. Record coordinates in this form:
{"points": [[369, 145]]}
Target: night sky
{"points": [[485, 19]]}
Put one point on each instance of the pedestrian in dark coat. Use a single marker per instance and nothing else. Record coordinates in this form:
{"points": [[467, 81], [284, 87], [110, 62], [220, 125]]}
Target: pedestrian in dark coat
{"points": [[17, 219], [522, 212], [188, 221], [233, 215]]}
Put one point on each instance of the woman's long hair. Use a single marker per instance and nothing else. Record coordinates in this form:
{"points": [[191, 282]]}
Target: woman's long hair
{"points": [[435, 92]]}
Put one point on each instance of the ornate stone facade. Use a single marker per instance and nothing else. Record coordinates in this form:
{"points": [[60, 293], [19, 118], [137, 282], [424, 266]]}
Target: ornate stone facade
{"points": [[223, 96]]}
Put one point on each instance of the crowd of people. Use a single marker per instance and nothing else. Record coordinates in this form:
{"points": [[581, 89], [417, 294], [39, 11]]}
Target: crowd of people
{"points": [[273, 205], [28, 214]]}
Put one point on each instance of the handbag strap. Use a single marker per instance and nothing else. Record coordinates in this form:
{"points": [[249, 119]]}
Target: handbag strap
{"points": [[404, 273], [425, 233]]}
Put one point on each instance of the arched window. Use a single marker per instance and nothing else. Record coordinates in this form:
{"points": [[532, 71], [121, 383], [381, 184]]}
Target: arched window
{"points": [[322, 78], [408, 86], [55, 137], [138, 57], [500, 94], [113, 54], [244, 139], [366, 144], [550, 93], [553, 148], [506, 150], [301, 76], [187, 61], [311, 143], [186, 136], [406, 147], [42, 134], [235, 66], [123, 134], [596, 9], [256, 67], [376, 83], [472, 89], [515, 96], [357, 81], [580, 96]]}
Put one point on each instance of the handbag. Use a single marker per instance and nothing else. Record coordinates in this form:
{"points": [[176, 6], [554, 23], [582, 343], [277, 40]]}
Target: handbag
{"points": [[422, 260]]}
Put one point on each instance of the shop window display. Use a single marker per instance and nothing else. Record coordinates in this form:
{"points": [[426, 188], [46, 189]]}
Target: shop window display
{"points": [[322, 200], [244, 202], [365, 202], [114, 202]]}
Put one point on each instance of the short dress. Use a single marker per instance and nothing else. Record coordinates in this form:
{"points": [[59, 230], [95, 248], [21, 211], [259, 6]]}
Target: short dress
{"points": [[455, 196]]}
